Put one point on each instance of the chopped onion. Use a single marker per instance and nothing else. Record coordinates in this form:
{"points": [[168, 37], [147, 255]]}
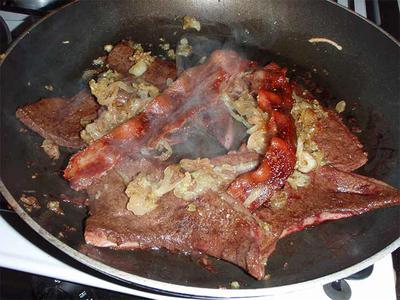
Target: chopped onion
{"points": [[307, 163], [123, 86], [191, 207], [169, 81], [183, 48], [141, 198], [51, 149], [340, 106], [191, 22], [108, 48], [298, 179], [138, 69], [166, 150], [172, 177], [245, 167], [257, 142], [254, 195], [229, 104]]}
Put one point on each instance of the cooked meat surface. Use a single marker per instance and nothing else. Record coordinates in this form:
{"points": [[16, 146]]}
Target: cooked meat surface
{"points": [[216, 224], [171, 209], [340, 147], [60, 119], [213, 226], [157, 73], [332, 194], [118, 59]]}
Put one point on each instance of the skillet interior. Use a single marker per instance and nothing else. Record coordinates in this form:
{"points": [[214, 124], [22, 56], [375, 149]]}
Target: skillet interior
{"points": [[364, 73]]}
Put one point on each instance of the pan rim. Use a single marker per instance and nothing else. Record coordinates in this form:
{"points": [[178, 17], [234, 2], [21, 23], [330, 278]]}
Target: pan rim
{"points": [[175, 289], [348, 10], [170, 288]]}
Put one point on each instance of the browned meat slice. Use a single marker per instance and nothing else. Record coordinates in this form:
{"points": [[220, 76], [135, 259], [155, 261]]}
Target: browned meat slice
{"points": [[213, 225], [332, 194], [157, 73], [118, 59], [59, 119], [340, 147]]}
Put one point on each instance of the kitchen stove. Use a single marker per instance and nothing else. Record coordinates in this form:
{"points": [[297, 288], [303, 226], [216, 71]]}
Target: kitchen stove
{"points": [[30, 268]]}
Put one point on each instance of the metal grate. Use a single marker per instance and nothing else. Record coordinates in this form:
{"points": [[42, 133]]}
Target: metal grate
{"points": [[384, 13]]}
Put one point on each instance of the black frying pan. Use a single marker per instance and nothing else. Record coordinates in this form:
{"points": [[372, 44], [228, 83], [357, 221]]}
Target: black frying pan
{"points": [[365, 73]]}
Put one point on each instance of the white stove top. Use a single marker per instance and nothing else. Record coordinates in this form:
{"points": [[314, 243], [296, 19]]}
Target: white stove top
{"points": [[18, 253]]}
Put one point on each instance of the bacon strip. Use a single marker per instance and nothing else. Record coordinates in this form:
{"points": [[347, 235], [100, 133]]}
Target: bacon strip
{"points": [[211, 119], [87, 166], [275, 98]]}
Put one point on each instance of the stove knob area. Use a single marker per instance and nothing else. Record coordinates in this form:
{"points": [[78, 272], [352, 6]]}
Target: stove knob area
{"points": [[338, 290], [53, 289]]}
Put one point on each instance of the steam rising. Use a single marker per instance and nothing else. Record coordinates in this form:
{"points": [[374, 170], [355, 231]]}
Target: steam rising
{"points": [[202, 134], [200, 140], [193, 99]]}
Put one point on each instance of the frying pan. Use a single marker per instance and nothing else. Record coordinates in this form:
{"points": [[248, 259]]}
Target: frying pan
{"points": [[365, 73]]}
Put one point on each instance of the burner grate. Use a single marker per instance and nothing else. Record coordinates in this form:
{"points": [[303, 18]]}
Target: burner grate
{"points": [[384, 13]]}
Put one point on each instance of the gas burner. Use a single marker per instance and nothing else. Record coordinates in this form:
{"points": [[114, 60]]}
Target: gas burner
{"points": [[340, 289], [53, 289]]}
